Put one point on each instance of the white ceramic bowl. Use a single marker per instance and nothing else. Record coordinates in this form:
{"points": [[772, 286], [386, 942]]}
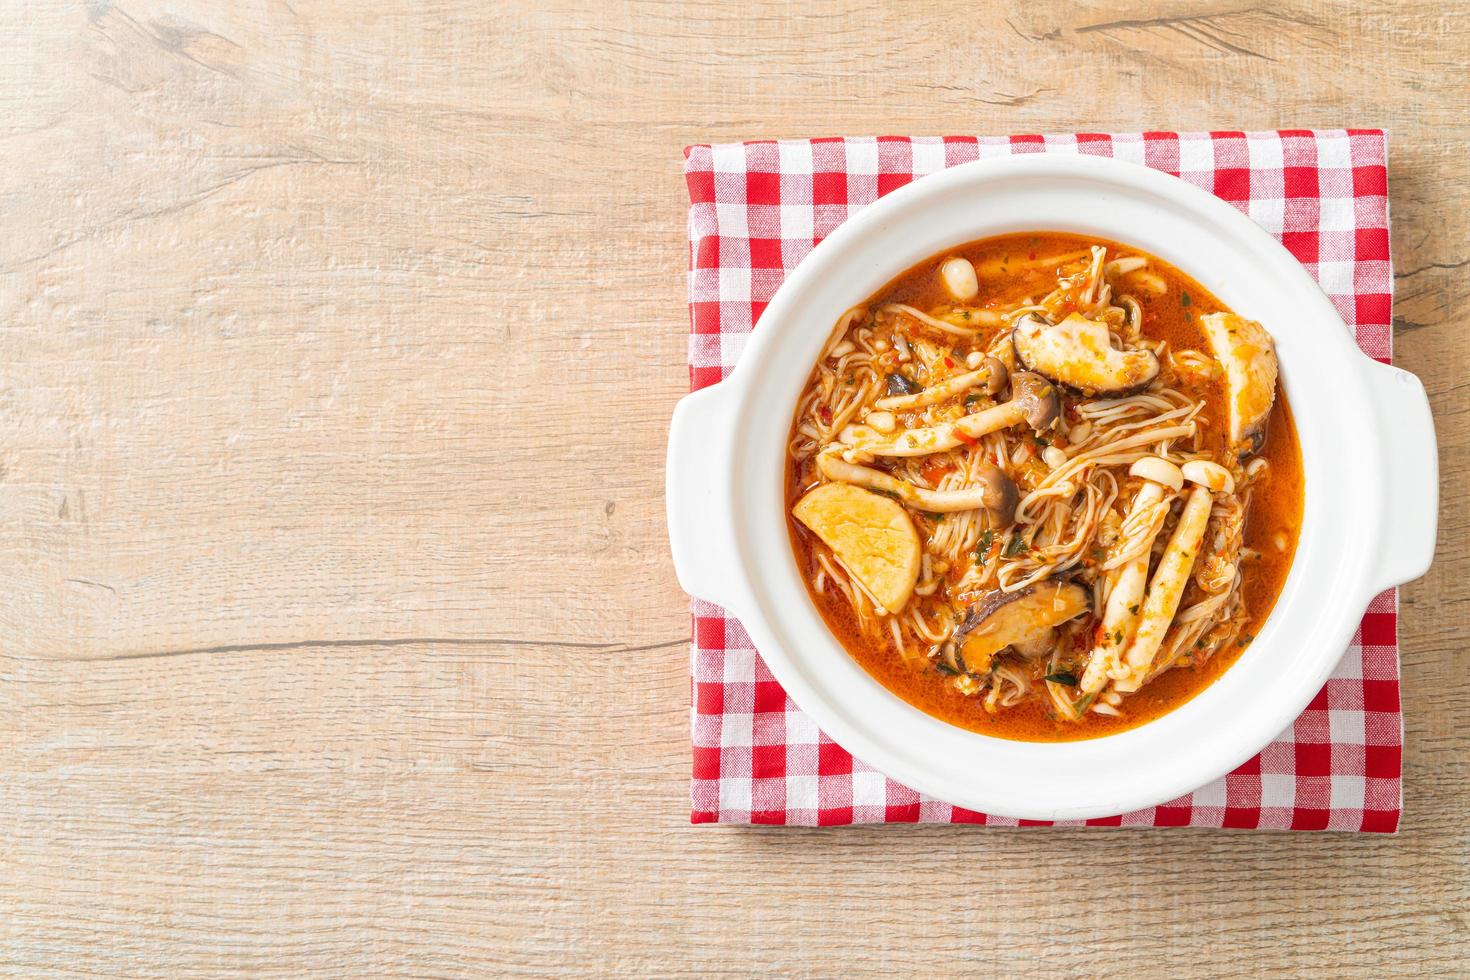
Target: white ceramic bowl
{"points": [[1367, 445]]}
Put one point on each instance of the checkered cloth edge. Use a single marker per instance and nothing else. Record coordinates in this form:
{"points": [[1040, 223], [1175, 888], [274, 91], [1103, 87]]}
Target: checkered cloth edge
{"points": [[756, 209]]}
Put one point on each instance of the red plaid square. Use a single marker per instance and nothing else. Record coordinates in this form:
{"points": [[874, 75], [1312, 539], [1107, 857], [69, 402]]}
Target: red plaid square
{"points": [[756, 210]]}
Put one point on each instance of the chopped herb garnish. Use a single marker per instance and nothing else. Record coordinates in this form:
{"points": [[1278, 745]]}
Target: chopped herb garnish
{"points": [[1014, 546], [971, 399], [932, 516], [1247, 638], [1183, 299], [1062, 677], [1043, 443], [984, 546], [1133, 609]]}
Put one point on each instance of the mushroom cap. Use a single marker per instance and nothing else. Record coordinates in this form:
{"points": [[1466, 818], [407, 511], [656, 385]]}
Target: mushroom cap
{"points": [[996, 379], [1037, 397], [1159, 470], [1002, 619], [1207, 473], [959, 279], [1079, 353], [1001, 495]]}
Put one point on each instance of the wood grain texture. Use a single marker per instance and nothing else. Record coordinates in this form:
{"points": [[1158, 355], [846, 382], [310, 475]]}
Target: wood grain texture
{"points": [[335, 641]]}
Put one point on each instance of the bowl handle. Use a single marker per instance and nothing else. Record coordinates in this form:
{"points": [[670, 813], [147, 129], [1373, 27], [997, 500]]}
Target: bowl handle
{"points": [[1409, 476], [698, 483]]}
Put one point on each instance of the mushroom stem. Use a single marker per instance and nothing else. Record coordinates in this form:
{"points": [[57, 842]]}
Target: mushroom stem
{"points": [[992, 375], [995, 492], [983, 319], [1166, 589], [1033, 400], [1121, 615]]}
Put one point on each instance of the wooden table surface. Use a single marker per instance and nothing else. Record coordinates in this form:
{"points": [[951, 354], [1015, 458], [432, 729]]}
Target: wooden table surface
{"points": [[339, 343]]}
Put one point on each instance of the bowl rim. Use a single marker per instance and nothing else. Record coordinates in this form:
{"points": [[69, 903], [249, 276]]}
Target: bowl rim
{"points": [[1326, 591]]}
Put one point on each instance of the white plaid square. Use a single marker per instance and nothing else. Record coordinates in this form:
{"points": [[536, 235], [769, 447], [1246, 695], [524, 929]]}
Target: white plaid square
{"points": [[796, 158], [928, 156], [1336, 278], [735, 732], [1345, 726], [796, 222], [729, 158], [1337, 213], [1277, 789], [1196, 155], [869, 788], [862, 157], [733, 221], [735, 793], [801, 792]]}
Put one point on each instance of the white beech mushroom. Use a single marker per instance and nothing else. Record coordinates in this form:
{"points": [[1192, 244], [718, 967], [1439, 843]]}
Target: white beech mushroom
{"points": [[991, 374], [1166, 589], [1079, 353], [1121, 615], [1033, 401], [995, 493], [959, 279], [1207, 473]]}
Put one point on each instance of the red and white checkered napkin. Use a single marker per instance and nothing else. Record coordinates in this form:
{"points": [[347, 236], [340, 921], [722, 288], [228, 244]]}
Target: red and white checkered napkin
{"points": [[756, 209]]}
